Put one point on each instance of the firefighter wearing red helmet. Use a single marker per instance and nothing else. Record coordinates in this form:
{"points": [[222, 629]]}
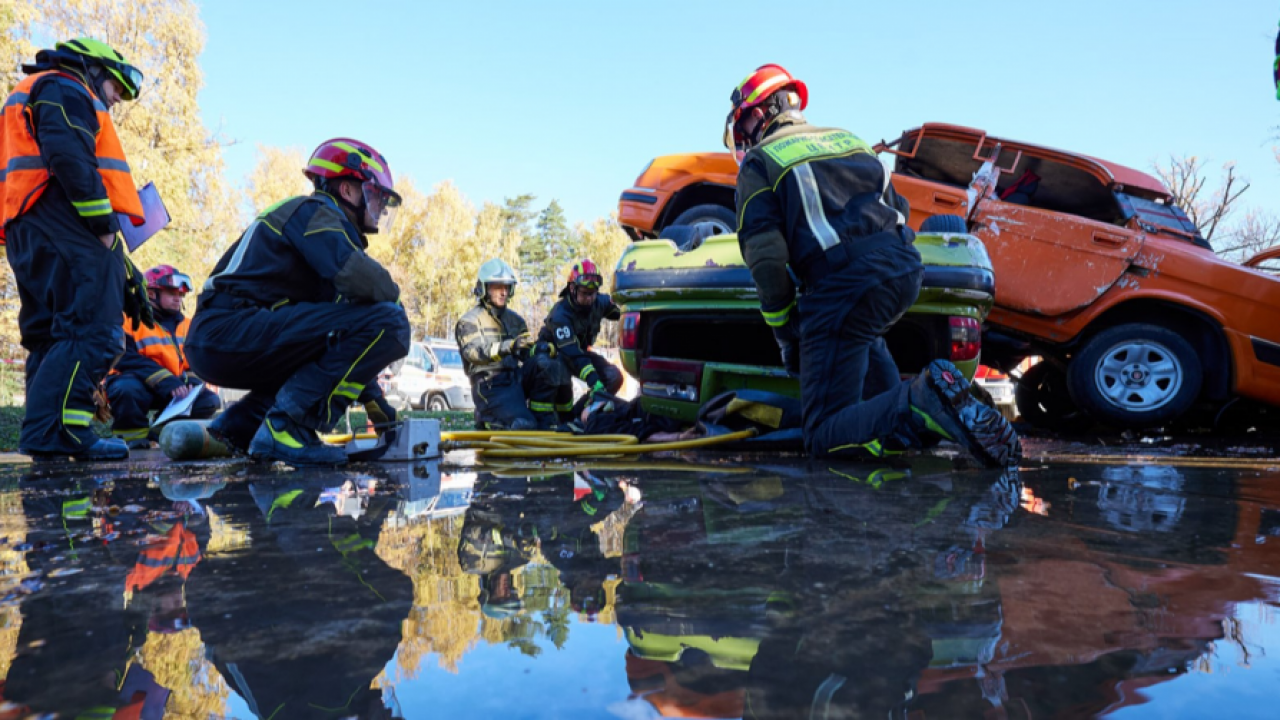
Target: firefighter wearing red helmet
{"points": [[153, 370], [818, 201], [572, 327], [297, 313]]}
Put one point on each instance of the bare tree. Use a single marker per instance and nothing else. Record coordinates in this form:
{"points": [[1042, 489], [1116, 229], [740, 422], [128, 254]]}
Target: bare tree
{"points": [[1207, 207], [1258, 231]]}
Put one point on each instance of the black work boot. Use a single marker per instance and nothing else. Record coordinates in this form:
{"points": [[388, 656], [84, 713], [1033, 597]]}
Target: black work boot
{"points": [[281, 438], [941, 404]]}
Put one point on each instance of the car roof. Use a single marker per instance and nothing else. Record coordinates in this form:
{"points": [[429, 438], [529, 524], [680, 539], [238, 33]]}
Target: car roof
{"points": [[1119, 174]]}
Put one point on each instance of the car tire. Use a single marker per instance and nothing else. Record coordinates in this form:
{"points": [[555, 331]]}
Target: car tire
{"points": [[944, 224], [1136, 375], [436, 403], [1042, 400], [722, 217]]}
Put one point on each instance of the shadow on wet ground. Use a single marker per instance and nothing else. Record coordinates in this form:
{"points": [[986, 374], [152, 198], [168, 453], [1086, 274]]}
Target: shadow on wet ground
{"points": [[699, 586]]}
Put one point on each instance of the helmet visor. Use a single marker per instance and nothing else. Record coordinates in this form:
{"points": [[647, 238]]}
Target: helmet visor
{"points": [[130, 77], [734, 142], [590, 281], [175, 281], [381, 205]]}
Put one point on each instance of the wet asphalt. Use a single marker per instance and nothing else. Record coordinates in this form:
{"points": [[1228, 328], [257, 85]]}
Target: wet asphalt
{"points": [[1133, 578]]}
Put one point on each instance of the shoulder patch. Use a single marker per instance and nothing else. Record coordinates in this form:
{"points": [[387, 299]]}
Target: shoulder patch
{"points": [[809, 146]]}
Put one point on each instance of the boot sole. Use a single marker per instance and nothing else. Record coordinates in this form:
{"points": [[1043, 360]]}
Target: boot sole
{"points": [[986, 434]]}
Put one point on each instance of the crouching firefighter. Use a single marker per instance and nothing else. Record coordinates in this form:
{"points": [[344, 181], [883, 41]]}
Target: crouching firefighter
{"points": [[300, 316], [572, 327], [153, 370], [514, 381], [64, 182], [819, 200]]}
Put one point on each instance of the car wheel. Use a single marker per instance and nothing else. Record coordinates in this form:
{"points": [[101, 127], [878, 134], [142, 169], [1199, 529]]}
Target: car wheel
{"points": [[1136, 375], [944, 224], [1043, 401], [437, 403], [723, 218]]}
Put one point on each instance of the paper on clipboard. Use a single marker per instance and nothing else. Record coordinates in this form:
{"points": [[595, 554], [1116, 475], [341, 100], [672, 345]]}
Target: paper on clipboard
{"points": [[180, 407], [153, 211]]}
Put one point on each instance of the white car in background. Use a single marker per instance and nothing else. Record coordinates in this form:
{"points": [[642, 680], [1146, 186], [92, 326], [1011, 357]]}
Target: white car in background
{"points": [[430, 378], [1000, 386]]}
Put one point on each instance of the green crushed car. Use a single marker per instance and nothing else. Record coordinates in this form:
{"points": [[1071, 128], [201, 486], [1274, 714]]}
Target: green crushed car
{"points": [[691, 326]]}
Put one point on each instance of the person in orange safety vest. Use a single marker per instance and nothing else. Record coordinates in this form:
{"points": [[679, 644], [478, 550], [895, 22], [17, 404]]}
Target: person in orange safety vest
{"points": [[65, 187], [153, 371]]}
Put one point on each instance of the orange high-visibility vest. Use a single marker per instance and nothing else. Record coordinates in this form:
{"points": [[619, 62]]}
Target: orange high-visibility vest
{"points": [[157, 344], [23, 176], [178, 552]]}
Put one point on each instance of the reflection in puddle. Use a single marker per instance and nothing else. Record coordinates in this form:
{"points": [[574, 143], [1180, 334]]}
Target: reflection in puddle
{"points": [[721, 590]]}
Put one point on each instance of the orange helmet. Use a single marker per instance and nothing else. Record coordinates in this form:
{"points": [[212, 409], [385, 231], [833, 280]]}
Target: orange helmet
{"points": [[757, 101]]}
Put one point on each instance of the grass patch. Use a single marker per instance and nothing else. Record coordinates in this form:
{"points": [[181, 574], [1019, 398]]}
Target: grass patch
{"points": [[11, 422]]}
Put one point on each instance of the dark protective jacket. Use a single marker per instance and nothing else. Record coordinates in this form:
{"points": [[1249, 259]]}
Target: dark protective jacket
{"points": [[156, 355], [58, 152], [486, 337], [814, 198], [572, 330], [301, 250]]}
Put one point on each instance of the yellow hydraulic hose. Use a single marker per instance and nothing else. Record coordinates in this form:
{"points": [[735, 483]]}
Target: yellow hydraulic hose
{"points": [[614, 449]]}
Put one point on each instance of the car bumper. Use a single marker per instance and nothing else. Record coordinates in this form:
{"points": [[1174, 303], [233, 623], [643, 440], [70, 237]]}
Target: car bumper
{"points": [[640, 210]]}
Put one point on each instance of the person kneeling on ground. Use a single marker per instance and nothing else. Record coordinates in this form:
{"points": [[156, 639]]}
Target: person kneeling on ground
{"points": [[571, 328], [153, 370], [496, 346], [300, 316]]}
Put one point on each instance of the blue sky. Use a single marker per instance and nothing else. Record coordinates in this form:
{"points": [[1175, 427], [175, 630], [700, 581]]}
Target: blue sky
{"points": [[570, 100]]}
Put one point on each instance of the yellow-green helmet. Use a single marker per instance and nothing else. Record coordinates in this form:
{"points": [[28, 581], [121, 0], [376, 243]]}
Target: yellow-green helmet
{"points": [[129, 77]]}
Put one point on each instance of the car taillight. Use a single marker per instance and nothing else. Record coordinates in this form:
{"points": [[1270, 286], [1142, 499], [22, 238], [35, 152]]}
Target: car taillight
{"points": [[671, 379], [629, 331], [966, 338]]}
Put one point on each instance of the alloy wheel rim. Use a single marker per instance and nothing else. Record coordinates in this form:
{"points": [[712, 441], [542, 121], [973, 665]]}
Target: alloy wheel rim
{"points": [[1138, 375]]}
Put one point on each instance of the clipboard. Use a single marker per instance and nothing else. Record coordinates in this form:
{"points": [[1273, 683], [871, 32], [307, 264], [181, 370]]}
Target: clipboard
{"points": [[179, 408], [154, 213]]}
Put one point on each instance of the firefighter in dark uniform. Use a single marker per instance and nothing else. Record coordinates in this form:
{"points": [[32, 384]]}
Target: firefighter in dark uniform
{"points": [[514, 381], [572, 327], [63, 180], [153, 370], [300, 316], [819, 200]]}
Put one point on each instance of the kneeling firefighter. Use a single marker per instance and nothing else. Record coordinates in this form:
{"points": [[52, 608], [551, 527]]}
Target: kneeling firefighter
{"points": [[300, 316], [513, 379], [153, 370], [572, 327], [820, 201]]}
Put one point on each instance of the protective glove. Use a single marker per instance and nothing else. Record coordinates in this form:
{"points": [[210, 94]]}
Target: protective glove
{"points": [[380, 413], [788, 337], [597, 389], [136, 305], [524, 342]]}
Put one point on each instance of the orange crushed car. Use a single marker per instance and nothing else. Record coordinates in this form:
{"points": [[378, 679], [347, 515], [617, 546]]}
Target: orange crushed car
{"points": [[1097, 271]]}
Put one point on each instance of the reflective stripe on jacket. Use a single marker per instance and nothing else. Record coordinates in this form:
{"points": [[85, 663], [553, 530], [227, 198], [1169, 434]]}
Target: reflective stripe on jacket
{"points": [[23, 175]]}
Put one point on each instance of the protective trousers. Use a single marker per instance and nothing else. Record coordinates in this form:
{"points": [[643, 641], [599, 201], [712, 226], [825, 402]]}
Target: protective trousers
{"points": [[310, 360], [854, 400], [131, 399], [548, 387], [72, 293]]}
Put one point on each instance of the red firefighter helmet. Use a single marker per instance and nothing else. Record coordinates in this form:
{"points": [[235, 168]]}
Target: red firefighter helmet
{"points": [[347, 158], [167, 277], [751, 100], [586, 274]]}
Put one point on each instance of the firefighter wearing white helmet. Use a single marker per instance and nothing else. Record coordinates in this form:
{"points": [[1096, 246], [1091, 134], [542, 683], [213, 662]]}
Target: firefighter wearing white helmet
{"points": [[495, 344]]}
